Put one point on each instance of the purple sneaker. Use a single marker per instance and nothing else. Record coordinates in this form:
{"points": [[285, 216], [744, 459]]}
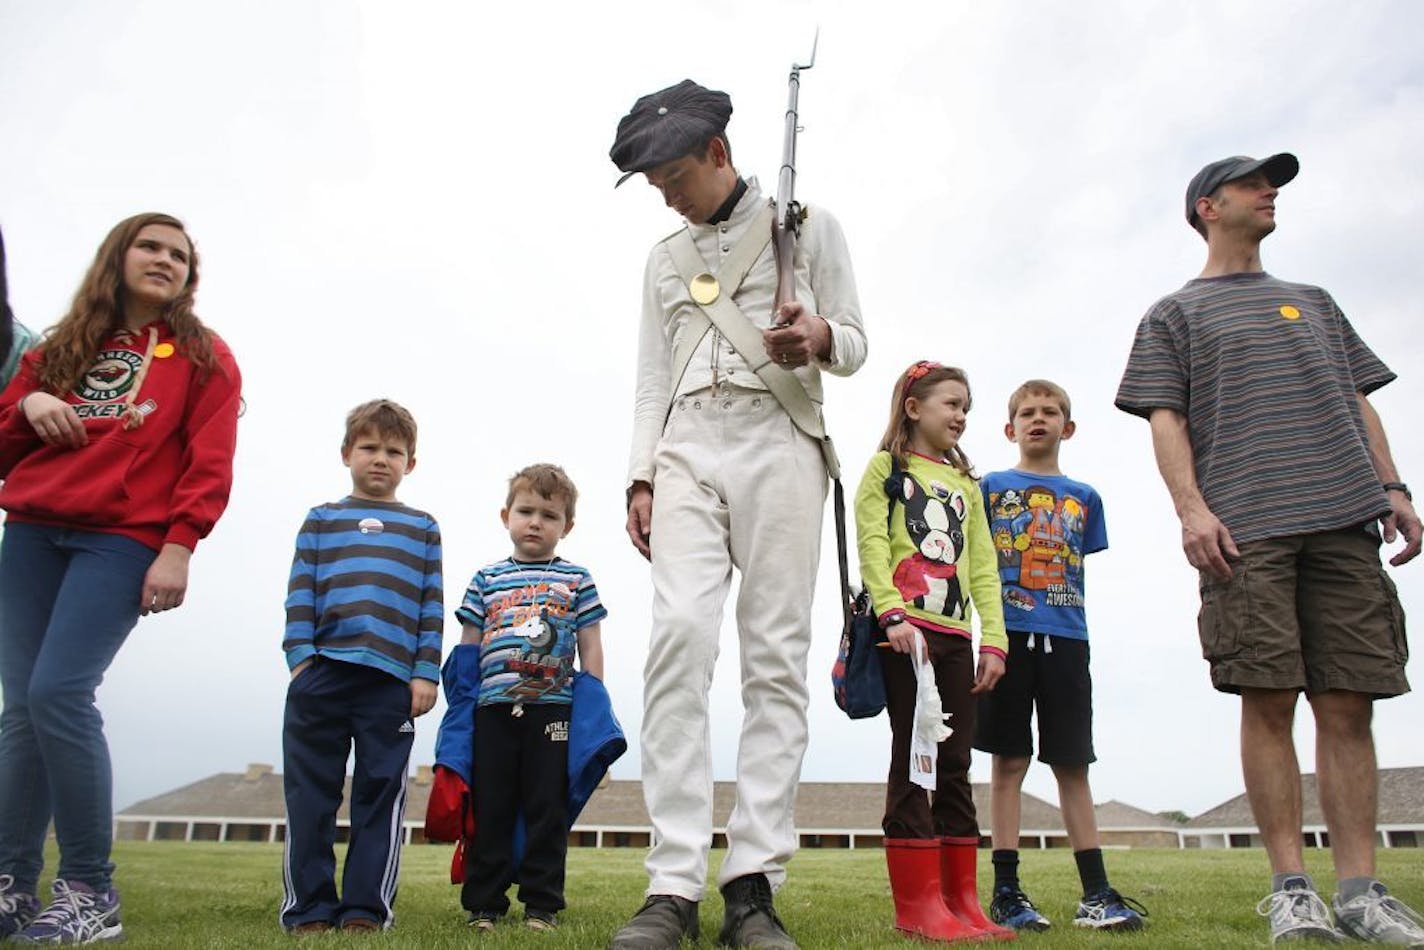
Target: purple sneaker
{"points": [[76, 914], [16, 908]]}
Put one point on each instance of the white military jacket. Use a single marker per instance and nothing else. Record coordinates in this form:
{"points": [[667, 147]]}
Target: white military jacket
{"points": [[825, 285]]}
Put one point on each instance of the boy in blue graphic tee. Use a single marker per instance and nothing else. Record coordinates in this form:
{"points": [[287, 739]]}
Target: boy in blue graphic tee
{"points": [[532, 613], [1044, 524], [364, 619]]}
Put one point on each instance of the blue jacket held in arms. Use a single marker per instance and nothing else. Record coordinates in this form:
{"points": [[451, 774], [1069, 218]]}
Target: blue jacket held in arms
{"points": [[596, 741]]}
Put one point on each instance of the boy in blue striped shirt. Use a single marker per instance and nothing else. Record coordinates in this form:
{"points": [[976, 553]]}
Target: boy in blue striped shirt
{"points": [[532, 613], [364, 622]]}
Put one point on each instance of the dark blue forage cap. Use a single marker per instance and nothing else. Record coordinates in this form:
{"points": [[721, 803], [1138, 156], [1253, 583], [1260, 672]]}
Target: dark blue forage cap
{"points": [[668, 124]]}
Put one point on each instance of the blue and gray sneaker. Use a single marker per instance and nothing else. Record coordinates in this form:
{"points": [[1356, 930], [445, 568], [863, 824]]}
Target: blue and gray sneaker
{"points": [[17, 908], [1109, 910], [76, 914], [1011, 908]]}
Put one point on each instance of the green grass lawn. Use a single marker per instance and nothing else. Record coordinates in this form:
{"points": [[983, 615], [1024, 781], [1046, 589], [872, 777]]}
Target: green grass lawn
{"points": [[227, 895]]}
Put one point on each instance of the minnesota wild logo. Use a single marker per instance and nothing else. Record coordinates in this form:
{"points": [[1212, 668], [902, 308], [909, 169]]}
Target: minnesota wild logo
{"points": [[111, 376]]}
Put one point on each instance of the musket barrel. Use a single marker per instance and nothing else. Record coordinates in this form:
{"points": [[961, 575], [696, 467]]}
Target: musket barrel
{"points": [[786, 180], [786, 227]]}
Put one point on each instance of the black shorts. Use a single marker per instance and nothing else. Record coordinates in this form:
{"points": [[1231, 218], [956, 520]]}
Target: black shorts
{"points": [[1054, 676]]}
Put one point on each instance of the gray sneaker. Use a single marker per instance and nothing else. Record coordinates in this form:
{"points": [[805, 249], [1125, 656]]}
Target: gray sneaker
{"points": [[17, 908], [76, 914], [1296, 912], [1379, 918]]}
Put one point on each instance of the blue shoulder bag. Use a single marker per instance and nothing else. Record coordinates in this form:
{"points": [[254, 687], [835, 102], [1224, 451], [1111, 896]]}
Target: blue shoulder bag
{"points": [[855, 677]]}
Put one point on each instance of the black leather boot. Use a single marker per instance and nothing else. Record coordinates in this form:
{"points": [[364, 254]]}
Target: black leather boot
{"points": [[750, 920], [660, 924]]}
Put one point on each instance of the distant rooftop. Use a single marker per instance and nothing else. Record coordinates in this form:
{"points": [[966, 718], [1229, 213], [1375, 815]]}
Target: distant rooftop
{"points": [[1401, 802]]}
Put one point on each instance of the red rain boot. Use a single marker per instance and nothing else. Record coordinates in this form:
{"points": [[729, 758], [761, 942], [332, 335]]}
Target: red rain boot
{"points": [[958, 872], [914, 883]]}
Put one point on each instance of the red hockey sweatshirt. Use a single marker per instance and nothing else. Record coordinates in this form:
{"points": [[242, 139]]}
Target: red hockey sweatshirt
{"points": [[164, 480]]}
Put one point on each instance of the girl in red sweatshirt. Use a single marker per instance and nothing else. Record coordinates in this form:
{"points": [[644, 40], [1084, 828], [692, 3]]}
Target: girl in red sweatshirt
{"points": [[116, 443]]}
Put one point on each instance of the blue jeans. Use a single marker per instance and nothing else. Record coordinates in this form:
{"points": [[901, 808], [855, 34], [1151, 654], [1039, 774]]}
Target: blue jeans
{"points": [[68, 600]]}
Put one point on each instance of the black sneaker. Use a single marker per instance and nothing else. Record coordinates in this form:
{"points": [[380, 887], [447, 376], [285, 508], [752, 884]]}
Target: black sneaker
{"points": [[1011, 908], [660, 924], [1109, 910], [750, 919]]}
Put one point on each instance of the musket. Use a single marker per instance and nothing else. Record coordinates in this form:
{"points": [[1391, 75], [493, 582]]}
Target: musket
{"points": [[786, 224]]}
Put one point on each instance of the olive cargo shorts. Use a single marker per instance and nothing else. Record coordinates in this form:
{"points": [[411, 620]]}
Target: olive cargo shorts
{"points": [[1314, 611]]}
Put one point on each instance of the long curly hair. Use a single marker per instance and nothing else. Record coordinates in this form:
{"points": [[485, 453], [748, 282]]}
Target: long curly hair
{"points": [[70, 347], [915, 383]]}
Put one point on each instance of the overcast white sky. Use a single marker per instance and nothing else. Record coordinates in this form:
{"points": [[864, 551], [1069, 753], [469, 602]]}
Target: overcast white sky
{"points": [[414, 200]]}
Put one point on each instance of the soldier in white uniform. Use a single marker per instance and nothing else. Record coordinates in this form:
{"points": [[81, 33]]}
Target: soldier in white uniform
{"points": [[720, 477]]}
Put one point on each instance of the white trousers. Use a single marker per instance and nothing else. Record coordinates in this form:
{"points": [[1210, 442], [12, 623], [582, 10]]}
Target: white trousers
{"points": [[736, 484]]}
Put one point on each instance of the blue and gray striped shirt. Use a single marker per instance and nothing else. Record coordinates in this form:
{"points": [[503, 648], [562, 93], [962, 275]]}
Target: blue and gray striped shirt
{"points": [[1266, 373], [366, 588], [529, 617]]}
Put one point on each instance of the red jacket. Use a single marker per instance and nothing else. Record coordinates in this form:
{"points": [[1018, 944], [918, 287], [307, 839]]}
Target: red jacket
{"points": [[166, 480]]}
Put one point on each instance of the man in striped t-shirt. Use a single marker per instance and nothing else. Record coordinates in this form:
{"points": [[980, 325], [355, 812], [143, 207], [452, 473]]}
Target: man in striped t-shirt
{"points": [[365, 616], [1282, 478]]}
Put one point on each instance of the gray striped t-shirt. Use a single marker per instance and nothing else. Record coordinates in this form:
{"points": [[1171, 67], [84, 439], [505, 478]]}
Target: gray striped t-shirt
{"points": [[1266, 373]]}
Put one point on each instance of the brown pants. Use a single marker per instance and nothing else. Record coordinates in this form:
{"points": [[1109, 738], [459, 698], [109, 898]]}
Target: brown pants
{"points": [[909, 812]]}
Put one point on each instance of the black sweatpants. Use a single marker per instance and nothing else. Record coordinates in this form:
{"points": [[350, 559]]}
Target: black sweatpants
{"points": [[521, 767]]}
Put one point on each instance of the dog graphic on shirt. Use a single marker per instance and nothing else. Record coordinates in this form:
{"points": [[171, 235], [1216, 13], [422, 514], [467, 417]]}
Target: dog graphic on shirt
{"points": [[934, 519]]}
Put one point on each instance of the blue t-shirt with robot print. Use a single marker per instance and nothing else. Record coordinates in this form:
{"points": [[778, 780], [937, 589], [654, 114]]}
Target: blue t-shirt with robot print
{"points": [[1043, 527]]}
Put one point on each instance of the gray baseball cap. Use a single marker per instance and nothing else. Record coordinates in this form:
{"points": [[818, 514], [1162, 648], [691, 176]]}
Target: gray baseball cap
{"points": [[667, 125], [1279, 168]]}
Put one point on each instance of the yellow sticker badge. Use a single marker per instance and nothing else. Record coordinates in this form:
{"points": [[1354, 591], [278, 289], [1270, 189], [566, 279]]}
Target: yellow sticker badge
{"points": [[164, 350], [1289, 312]]}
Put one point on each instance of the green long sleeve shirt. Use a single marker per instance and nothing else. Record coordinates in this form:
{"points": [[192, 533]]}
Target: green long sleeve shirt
{"points": [[936, 561]]}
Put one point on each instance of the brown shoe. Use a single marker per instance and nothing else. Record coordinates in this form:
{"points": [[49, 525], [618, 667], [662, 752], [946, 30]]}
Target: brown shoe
{"points": [[660, 924], [541, 920], [310, 927], [359, 925]]}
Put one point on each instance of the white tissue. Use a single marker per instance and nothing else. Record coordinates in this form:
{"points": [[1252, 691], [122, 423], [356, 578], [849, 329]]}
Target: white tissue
{"points": [[929, 726]]}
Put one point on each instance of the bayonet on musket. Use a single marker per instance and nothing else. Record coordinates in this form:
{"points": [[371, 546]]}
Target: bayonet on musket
{"points": [[786, 224]]}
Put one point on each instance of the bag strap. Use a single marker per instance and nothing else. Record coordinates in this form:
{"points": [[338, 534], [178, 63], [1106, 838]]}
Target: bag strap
{"points": [[891, 485], [892, 488]]}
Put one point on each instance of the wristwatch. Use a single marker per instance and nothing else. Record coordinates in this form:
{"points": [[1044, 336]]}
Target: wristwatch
{"points": [[892, 618], [1399, 487]]}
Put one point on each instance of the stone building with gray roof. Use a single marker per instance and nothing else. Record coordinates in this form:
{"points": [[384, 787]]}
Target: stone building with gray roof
{"points": [[1126, 826], [1400, 823], [249, 806]]}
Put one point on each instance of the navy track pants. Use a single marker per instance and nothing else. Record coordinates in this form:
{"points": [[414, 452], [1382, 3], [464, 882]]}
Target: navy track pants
{"points": [[330, 706]]}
